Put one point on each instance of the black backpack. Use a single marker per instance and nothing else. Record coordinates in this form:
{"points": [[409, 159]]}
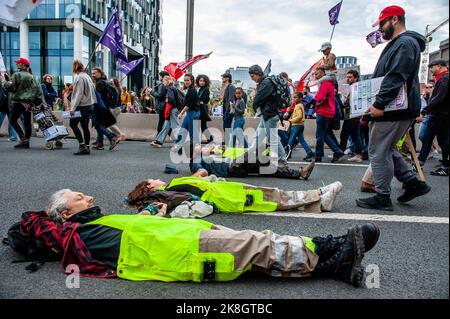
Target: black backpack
{"points": [[179, 103], [283, 93], [31, 249], [112, 95]]}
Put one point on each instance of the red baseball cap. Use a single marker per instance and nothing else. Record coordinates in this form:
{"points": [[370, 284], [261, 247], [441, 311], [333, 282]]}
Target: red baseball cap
{"points": [[24, 61], [389, 12]]}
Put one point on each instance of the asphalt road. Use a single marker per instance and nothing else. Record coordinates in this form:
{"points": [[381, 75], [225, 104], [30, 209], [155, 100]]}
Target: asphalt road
{"points": [[412, 255]]}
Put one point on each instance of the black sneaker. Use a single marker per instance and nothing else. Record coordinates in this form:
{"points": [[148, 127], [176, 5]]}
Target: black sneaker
{"points": [[83, 150], [309, 158], [337, 157], [413, 190], [441, 171], [377, 202], [156, 144], [23, 144]]}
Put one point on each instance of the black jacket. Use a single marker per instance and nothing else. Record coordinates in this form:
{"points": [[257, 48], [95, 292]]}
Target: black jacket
{"points": [[438, 104], [159, 93], [399, 63], [4, 100], [203, 95], [266, 99], [191, 100]]}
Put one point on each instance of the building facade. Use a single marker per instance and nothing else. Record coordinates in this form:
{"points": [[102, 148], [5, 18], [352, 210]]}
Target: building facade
{"points": [[60, 31], [241, 77], [442, 53], [345, 64]]}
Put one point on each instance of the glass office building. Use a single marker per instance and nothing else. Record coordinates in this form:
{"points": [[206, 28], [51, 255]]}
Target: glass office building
{"points": [[59, 31]]}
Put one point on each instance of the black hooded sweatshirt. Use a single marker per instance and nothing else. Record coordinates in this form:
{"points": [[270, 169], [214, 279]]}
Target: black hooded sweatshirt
{"points": [[399, 63]]}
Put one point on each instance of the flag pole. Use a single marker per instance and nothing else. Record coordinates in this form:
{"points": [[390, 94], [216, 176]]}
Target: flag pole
{"points": [[5, 56], [92, 56], [334, 26]]}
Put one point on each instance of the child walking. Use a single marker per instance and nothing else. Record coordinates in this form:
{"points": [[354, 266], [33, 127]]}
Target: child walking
{"points": [[298, 127]]}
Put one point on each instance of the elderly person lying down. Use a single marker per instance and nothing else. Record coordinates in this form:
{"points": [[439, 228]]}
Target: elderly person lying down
{"points": [[139, 247]]}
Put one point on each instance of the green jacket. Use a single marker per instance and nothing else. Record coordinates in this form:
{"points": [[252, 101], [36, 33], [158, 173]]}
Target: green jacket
{"points": [[24, 88], [229, 197]]}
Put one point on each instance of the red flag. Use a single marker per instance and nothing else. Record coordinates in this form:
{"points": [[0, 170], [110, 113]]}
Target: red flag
{"points": [[308, 79], [176, 70]]}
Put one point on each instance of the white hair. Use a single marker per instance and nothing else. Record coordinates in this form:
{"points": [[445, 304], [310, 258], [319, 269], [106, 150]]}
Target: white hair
{"points": [[58, 204]]}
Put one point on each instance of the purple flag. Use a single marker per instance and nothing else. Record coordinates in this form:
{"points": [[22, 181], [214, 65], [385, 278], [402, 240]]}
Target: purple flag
{"points": [[128, 67], [375, 38], [113, 37], [334, 13]]}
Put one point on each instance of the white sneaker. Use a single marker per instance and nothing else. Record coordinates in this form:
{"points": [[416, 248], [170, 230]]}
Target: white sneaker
{"points": [[355, 159], [347, 151], [328, 197]]}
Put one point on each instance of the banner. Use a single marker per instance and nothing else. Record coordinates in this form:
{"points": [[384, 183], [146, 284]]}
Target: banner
{"points": [[113, 37], [128, 67], [15, 11], [334, 13], [176, 70], [309, 79]]}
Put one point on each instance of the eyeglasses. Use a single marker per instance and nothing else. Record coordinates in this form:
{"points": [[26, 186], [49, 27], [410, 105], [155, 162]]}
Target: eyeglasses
{"points": [[382, 23]]}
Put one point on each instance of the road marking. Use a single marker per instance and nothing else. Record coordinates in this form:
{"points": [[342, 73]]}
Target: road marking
{"points": [[362, 217], [331, 164]]}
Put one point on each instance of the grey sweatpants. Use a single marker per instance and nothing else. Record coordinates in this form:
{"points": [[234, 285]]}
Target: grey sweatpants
{"points": [[385, 160]]}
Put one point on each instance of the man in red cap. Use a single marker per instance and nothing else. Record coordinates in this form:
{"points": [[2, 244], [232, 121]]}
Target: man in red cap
{"points": [[25, 92], [399, 64]]}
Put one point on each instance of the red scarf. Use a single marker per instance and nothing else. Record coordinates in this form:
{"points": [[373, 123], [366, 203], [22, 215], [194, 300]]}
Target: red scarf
{"points": [[439, 76]]}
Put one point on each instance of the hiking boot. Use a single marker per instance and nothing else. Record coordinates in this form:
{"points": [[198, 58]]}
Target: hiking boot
{"points": [[328, 196], [156, 144], [413, 190], [23, 144], [377, 202], [305, 172], [83, 150], [98, 146], [441, 171], [337, 157], [345, 264], [113, 143], [367, 188], [309, 158]]}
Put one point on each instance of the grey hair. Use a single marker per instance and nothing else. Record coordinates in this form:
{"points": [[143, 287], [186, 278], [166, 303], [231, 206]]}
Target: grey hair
{"points": [[58, 204]]}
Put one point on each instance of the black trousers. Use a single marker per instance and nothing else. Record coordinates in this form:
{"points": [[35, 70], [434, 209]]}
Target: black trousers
{"points": [[351, 129], [19, 110], [86, 114]]}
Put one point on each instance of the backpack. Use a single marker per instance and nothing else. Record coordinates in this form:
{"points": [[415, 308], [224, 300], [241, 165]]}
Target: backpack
{"points": [[179, 97], [283, 93], [112, 96], [33, 250]]}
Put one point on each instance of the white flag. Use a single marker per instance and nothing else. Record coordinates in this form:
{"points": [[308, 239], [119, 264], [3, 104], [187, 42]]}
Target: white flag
{"points": [[15, 11], [2, 64]]}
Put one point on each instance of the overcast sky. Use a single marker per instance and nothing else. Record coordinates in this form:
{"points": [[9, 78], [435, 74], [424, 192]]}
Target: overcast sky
{"points": [[290, 32]]}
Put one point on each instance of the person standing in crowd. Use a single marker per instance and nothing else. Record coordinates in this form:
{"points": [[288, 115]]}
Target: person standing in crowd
{"points": [[25, 94], [107, 96], [125, 99], [203, 83], [227, 94], [134, 106], [48, 90], [298, 128], [399, 64], [329, 59], [83, 100], [325, 110], [265, 103], [116, 111], [237, 109], [308, 102], [5, 111], [192, 110], [288, 109], [171, 112], [437, 112], [351, 127], [148, 101], [160, 94], [65, 96]]}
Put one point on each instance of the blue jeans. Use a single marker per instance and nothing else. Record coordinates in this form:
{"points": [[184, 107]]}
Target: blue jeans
{"points": [[323, 136], [188, 124], [171, 123], [101, 130], [435, 127], [271, 128], [11, 132], [297, 131], [238, 132]]}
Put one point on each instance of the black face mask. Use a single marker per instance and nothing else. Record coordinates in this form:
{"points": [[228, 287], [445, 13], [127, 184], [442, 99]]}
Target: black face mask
{"points": [[389, 32], [86, 216]]}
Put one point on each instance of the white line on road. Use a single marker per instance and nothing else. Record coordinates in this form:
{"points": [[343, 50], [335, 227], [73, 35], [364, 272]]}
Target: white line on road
{"points": [[380, 218], [331, 164]]}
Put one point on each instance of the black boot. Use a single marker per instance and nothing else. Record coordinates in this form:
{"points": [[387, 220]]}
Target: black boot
{"points": [[414, 189], [378, 202], [23, 144], [83, 150]]}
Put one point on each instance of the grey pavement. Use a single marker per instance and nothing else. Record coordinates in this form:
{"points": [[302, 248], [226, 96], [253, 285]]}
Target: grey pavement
{"points": [[412, 256]]}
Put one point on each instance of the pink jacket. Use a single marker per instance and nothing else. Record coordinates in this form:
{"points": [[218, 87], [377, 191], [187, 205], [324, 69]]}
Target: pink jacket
{"points": [[325, 101]]}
